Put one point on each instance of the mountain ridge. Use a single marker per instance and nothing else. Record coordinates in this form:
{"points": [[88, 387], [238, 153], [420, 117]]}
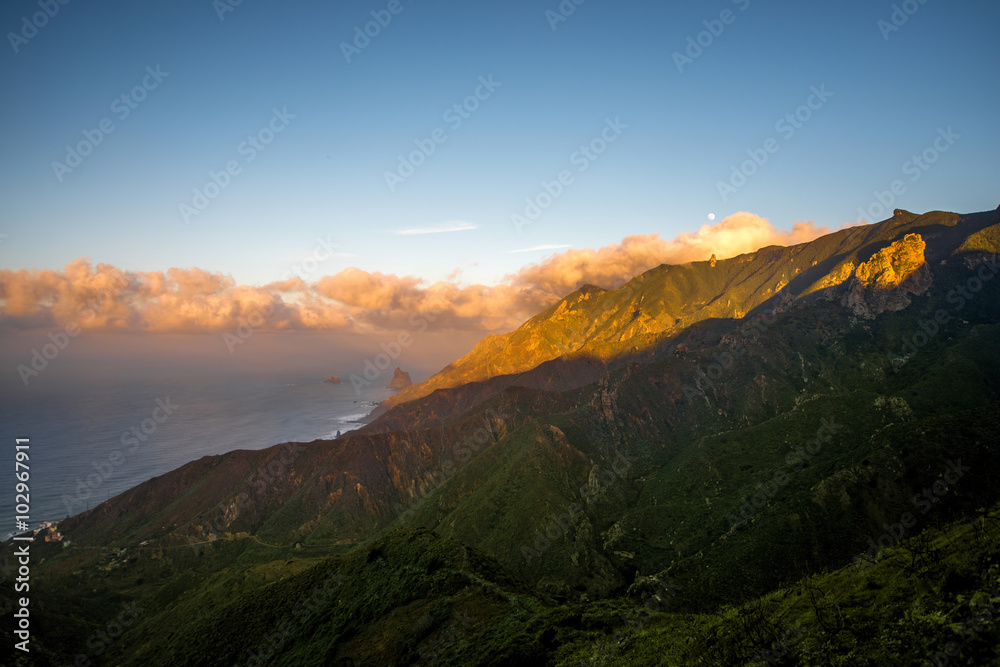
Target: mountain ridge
{"points": [[608, 471], [411, 441], [800, 270]]}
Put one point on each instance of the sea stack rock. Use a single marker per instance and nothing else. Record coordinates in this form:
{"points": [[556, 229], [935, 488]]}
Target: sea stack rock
{"points": [[335, 379], [400, 379]]}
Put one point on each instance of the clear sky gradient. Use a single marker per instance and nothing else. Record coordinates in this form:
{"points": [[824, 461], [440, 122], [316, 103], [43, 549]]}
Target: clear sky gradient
{"points": [[323, 175]]}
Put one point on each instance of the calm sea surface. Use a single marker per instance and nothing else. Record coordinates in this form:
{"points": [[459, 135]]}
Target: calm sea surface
{"points": [[83, 450]]}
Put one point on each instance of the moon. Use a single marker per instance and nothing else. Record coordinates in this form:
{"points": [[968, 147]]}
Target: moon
{"points": [[711, 216]]}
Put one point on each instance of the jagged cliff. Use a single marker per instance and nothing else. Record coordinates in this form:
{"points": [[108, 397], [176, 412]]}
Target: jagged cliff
{"points": [[734, 428]]}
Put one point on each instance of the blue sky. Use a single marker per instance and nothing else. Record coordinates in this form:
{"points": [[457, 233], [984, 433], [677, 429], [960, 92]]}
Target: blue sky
{"points": [[323, 175]]}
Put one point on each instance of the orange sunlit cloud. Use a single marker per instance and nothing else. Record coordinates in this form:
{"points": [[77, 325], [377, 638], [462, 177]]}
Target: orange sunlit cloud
{"points": [[195, 300]]}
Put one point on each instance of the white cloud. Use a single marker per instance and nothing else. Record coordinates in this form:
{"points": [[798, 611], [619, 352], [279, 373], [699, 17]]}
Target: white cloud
{"points": [[454, 226]]}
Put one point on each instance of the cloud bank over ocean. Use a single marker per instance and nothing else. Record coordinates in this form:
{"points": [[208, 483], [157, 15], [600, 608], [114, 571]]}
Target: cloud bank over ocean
{"points": [[107, 298]]}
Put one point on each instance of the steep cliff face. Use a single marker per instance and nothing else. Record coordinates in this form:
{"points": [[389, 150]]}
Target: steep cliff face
{"points": [[889, 279]]}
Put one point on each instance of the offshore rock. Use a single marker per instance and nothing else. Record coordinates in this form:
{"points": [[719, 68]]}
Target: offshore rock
{"points": [[400, 379]]}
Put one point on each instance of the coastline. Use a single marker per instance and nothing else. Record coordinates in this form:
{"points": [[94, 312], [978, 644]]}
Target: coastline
{"points": [[80, 473]]}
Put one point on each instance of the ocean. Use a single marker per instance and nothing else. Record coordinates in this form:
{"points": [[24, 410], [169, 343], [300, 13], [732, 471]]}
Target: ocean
{"points": [[91, 443]]}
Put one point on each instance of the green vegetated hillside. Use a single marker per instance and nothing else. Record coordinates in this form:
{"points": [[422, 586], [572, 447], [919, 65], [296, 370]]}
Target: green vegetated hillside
{"points": [[413, 597], [609, 324], [804, 466]]}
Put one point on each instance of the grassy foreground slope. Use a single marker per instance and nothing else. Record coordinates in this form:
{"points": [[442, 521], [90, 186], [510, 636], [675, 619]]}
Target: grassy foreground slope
{"points": [[412, 597]]}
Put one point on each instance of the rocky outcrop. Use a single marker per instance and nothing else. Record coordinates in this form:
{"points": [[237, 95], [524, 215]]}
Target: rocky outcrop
{"points": [[888, 280], [400, 379], [606, 401]]}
